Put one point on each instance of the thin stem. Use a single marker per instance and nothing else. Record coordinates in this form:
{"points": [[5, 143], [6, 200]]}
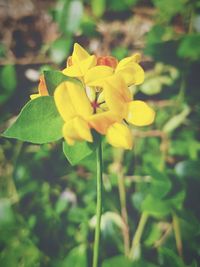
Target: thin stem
{"points": [[122, 196], [137, 237], [177, 233], [99, 206]]}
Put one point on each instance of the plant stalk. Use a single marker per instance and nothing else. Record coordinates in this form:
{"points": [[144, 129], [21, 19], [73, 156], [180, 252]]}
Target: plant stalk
{"points": [[177, 233], [122, 196], [137, 237], [98, 207]]}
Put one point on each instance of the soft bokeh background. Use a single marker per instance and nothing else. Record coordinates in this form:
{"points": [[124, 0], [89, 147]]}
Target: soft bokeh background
{"points": [[47, 207]]}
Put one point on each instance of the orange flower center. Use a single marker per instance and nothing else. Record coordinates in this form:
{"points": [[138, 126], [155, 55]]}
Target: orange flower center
{"points": [[107, 61]]}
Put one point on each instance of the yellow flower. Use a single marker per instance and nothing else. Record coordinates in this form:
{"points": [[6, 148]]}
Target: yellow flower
{"points": [[42, 89], [128, 68], [119, 101], [93, 70], [79, 113], [102, 101], [74, 107], [79, 63]]}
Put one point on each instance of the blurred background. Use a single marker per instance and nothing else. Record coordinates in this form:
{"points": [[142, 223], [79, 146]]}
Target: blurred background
{"points": [[47, 207]]}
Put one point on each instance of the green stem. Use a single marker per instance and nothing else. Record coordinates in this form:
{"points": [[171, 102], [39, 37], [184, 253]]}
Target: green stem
{"points": [[177, 233], [99, 206], [134, 251], [122, 196]]}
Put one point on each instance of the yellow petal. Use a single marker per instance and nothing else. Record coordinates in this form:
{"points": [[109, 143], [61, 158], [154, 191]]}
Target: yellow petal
{"points": [[128, 60], [116, 95], [119, 135], [132, 73], [63, 102], [73, 71], [96, 75], [101, 121], [139, 113], [120, 86], [77, 129], [79, 53], [87, 63], [136, 57], [79, 68], [79, 99]]}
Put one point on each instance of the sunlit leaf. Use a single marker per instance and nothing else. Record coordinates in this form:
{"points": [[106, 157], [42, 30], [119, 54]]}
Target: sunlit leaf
{"points": [[80, 150], [38, 122], [77, 257]]}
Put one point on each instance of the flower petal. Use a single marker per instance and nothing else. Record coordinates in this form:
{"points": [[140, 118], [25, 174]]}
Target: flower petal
{"points": [[87, 63], [79, 53], [136, 57], [79, 99], [132, 73], [139, 113], [77, 129], [119, 135], [72, 71], [127, 60], [101, 121], [116, 95], [63, 102], [96, 75], [120, 86]]}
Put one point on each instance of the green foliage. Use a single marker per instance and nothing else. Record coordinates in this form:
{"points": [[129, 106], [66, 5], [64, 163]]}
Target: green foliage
{"points": [[98, 7], [77, 257], [47, 206], [117, 260], [78, 151], [8, 82], [190, 47], [38, 122], [59, 49]]}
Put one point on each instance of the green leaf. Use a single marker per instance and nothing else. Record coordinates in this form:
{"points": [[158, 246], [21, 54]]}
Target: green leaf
{"points": [[117, 261], [176, 201], [160, 185], [77, 257], [170, 258], [38, 122], [188, 168], [74, 16], [98, 7], [177, 120], [59, 49], [79, 150], [54, 78], [8, 82], [154, 234], [156, 207], [190, 47]]}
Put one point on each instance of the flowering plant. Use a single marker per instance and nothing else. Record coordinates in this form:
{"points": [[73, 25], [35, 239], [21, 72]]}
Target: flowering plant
{"points": [[88, 99]]}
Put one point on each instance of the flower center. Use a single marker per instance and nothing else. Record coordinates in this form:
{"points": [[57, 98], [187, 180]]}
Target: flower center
{"points": [[95, 105]]}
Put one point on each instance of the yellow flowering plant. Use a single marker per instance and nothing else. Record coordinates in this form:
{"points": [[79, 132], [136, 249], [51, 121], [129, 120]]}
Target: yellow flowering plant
{"points": [[87, 100]]}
